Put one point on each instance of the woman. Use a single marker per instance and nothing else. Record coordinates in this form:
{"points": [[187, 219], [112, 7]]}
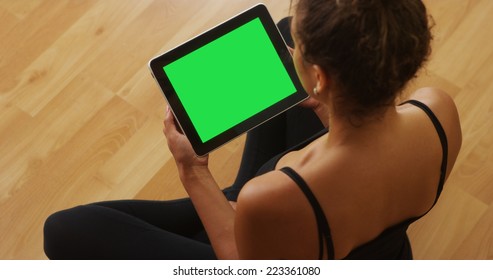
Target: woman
{"points": [[348, 193]]}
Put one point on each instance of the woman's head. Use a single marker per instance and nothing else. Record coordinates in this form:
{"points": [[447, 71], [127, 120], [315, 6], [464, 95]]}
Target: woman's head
{"points": [[369, 48]]}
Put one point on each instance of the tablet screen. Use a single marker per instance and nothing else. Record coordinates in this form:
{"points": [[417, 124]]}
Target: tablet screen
{"points": [[228, 79]]}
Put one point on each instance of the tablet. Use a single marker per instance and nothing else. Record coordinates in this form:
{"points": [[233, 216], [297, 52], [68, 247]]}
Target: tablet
{"points": [[228, 79]]}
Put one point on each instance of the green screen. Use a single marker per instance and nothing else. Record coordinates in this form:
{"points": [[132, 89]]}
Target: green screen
{"points": [[230, 79]]}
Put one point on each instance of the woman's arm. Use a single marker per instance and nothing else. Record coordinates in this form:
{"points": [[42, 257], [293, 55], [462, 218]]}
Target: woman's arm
{"points": [[215, 212]]}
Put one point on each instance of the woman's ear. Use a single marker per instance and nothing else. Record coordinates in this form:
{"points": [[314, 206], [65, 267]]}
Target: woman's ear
{"points": [[321, 79]]}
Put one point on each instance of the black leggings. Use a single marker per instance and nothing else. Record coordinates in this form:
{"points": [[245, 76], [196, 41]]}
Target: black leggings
{"points": [[137, 229]]}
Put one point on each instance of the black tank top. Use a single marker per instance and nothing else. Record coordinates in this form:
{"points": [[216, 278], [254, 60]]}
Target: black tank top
{"points": [[393, 242]]}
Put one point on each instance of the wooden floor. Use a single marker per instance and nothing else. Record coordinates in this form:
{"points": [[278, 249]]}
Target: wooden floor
{"points": [[81, 117]]}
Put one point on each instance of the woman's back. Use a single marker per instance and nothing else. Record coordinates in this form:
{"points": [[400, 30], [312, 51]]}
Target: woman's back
{"points": [[368, 180]]}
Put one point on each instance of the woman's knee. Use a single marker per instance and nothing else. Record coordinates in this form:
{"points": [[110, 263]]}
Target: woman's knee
{"points": [[60, 232]]}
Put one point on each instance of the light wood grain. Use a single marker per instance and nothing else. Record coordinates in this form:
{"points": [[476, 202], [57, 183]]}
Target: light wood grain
{"points": [[81, 118]]}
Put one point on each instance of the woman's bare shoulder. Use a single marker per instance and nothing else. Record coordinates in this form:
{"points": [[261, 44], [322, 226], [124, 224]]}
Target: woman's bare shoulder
{"points": [[445, 109], [268, 214], [438, 100]]}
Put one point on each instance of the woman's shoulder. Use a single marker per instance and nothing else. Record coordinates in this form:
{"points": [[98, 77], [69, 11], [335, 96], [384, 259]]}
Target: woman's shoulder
{"points": [[265, 187], [269, 210], [270, 194], [444, 108], [437, 99], [440, 103]]}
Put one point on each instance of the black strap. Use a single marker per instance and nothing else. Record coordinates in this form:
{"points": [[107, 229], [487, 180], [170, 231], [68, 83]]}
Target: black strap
{"points": [[322, 224], [443, 141]]}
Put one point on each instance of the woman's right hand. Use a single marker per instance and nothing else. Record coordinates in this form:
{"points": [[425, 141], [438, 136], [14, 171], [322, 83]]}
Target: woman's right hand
{"points": [[319, 108]]}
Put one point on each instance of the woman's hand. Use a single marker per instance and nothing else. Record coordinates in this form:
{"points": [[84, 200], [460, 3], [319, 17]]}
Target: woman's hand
{"points": [[319, 108], [179, 145]]}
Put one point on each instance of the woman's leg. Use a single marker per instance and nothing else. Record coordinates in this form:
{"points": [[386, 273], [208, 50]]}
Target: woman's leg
{"points": [[127, 230]]}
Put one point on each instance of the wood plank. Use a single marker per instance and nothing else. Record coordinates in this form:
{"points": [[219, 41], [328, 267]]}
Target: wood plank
{"points": [[476, 29], [478, 244], [447, 16], [71, 53], [32, 139], [21, 9], [8, 22], [148, 150], [32, 37], [430, 237]]}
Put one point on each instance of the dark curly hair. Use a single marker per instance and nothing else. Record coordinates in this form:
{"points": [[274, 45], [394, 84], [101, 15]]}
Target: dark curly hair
{"points": [[371, 48]]}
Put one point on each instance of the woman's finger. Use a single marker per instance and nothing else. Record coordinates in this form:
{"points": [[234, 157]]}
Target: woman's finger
{"points": [[291, 50], [169, 122]]}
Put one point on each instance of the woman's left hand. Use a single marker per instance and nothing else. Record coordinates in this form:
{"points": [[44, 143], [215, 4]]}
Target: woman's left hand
{"points": [[180, 146]]}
